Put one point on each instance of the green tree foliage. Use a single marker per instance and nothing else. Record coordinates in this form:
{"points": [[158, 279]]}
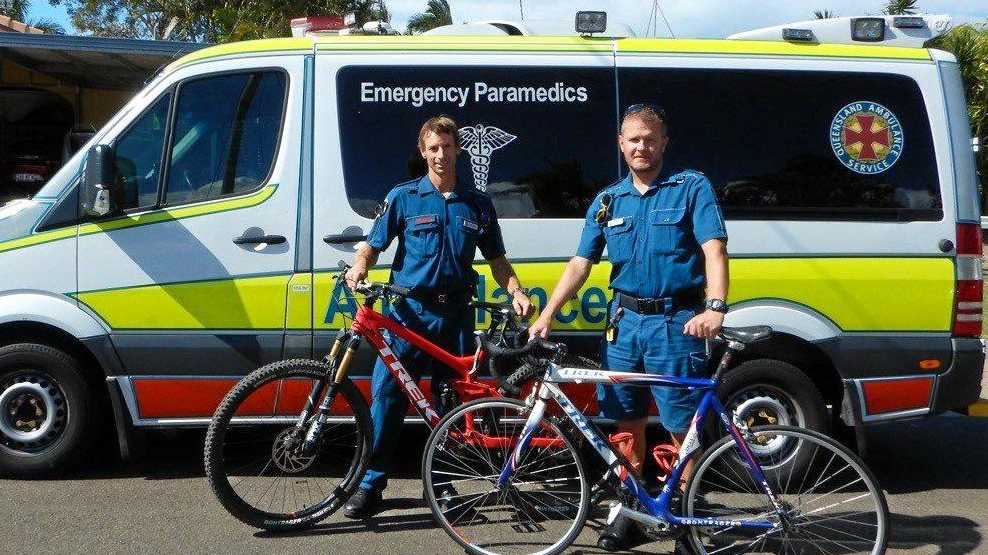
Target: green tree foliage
{"points": [[208, 20], [901, 7], [437, 14], [824, 14], [17, 9], [969, 43]]}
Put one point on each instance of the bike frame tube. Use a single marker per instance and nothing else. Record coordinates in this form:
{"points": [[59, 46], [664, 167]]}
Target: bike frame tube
{"points": [[368, 323], [656, 506]]}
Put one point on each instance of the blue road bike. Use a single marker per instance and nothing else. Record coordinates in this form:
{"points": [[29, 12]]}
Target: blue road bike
{"points": [[519, 473]]}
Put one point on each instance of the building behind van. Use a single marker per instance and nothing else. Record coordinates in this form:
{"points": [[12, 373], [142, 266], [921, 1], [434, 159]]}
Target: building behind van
{"points": [[844, 171]]}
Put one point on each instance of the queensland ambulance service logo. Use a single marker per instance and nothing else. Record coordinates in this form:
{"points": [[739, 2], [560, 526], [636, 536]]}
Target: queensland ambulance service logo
{"points": [[866, 137], [480, 141]]}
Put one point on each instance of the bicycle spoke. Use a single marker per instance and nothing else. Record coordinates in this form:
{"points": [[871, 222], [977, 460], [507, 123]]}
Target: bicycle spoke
{"points": [[540, 506], [829, 504]]}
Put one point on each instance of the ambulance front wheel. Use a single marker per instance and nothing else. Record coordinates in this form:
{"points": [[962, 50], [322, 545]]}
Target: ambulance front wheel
{"points": [[45, 409]]}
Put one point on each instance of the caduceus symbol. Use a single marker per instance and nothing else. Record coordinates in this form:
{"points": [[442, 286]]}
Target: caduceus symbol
{"points": [[481, 141]]}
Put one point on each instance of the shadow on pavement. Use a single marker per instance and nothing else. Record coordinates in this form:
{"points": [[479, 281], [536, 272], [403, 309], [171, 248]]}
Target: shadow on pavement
{"points": [[951, 534], [377, 525], [945, 452]]}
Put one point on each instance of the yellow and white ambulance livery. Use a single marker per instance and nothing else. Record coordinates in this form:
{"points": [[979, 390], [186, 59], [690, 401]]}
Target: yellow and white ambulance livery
{"points": [[194, 238]]}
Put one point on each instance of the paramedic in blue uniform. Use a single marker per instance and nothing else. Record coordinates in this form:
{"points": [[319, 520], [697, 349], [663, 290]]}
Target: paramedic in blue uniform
{"points": [[667, 245], [439, 223]]}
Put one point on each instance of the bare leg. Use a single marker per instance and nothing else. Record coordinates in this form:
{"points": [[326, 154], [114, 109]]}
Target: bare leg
{"points": [[677, 441], [634, 451]]}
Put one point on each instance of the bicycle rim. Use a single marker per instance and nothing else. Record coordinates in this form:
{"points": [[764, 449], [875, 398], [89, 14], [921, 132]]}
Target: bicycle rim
{"points": [[255, 464], [540, 512], [830, 504]]}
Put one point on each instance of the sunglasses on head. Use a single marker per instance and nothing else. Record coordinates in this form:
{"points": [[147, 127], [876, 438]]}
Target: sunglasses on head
{"points": [[642, 106]]}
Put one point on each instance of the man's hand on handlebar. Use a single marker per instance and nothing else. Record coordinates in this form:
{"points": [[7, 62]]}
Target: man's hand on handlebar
{"points": [[355, 275], [540, 328], [522, 304]]}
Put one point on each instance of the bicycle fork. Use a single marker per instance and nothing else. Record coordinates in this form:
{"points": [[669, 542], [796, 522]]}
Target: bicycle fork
{"points": [[531, 424], [338, 368]]}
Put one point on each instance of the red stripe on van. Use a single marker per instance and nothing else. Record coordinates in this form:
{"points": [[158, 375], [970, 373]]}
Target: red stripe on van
{"points": [[198, 398], [883, 396], [188, 398]]}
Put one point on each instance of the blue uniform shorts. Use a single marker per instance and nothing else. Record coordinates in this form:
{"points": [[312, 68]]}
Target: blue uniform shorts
{"points": [[653, 344]]}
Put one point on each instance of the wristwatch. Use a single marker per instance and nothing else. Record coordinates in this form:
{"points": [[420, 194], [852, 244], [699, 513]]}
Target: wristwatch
{"points": [[522, 290], [717, 305]]}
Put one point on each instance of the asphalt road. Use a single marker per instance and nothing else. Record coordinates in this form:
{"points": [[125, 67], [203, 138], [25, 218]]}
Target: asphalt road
{"points": [[935, 473]]}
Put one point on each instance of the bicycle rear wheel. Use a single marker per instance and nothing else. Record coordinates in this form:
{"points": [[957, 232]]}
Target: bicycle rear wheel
{"points": [[543, 508], [253, 459], [831, 502]]}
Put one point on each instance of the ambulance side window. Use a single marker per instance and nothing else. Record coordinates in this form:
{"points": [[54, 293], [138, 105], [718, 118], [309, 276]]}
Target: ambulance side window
{"points": [[138, 157], [799, 145], [225, 136], [538, 140]]}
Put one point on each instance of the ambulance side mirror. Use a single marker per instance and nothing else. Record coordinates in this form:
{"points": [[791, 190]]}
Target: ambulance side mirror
{"points": [[98, 179]]}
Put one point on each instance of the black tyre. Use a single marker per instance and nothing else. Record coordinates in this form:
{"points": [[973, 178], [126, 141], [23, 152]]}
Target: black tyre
{"points": [[540, 511], [830, 504], [528, 371], [255, 466], [46, 409], [767, 392]]}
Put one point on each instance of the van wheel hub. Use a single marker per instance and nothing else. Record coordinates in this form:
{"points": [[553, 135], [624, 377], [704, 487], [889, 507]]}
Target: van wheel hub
{"points": [[33, 412], [763, 407]]}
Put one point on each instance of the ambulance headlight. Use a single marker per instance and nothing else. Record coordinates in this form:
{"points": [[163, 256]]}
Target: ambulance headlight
{"points": [[591, 22], [868, 29]]}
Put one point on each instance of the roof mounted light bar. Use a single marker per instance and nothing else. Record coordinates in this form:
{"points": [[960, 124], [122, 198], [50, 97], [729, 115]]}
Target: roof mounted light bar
{"points": [[588, 23], [889, 30]]}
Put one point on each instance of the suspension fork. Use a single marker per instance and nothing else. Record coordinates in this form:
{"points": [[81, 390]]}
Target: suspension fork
{"points": [[332, 359], [314, 432]]}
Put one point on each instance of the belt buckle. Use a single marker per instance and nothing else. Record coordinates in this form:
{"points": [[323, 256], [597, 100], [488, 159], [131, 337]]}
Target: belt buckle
{"points": [[441, 298]]}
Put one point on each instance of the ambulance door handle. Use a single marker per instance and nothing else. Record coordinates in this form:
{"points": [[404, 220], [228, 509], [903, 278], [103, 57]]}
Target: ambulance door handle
{"points": [[342, 238], [259, 239]]}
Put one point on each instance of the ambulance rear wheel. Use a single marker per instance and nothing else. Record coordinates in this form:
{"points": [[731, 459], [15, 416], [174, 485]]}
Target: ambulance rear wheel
{"points": [[767, 392], [45, 409]]}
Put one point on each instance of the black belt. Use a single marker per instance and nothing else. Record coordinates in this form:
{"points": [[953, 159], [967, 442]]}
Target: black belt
{"points": [[436, 297], [690, 298]]}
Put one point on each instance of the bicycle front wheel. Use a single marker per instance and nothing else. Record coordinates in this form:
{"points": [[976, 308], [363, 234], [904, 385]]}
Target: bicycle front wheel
{"points": [[253, 457], [541, 510], [830, 501]]}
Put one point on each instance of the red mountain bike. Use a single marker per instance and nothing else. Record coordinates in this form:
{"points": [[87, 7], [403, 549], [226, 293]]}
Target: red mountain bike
{"points": [[292, 468]]}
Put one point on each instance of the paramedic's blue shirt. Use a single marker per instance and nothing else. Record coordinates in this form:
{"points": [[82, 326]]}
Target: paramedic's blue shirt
{"points": [[653, 240], [437, 237]]}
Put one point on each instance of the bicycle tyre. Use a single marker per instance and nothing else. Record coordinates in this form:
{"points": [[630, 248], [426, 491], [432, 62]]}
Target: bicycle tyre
{"points": [[528, 372], [440, 434], [842, 465], [215, 454]]}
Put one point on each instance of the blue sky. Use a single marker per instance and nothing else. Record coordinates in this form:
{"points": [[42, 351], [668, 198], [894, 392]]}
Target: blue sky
{"points": [[687, 18]]}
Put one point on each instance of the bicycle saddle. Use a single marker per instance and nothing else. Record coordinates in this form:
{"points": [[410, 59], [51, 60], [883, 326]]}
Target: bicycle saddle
{"points": [[748, 334]]}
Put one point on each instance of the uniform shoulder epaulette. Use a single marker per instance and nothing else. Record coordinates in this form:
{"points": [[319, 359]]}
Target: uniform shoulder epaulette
{"points": [[683, 175], [610, 188], [404, 187]]}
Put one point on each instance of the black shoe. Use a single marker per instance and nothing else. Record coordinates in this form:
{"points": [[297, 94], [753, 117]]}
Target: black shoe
{"points": [[620, 535], [363, 504]]}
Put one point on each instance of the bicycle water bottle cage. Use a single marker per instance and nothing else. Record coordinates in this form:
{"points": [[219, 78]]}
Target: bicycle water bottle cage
{"points": [[665, 455]]}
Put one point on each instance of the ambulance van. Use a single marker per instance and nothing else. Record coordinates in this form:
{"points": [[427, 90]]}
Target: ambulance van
{"points": [[195, 237]]}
